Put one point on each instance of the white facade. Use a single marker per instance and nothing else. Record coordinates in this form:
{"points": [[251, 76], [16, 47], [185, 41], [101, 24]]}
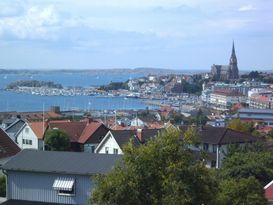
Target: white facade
{"points": [[27, 139], [108, 145], [224, 102], [137, 122]]}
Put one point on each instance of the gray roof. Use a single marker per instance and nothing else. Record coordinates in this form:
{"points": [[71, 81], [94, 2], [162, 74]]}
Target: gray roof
{"points": [[123, 137], [258, 111], [221, 135], [79, 163]]}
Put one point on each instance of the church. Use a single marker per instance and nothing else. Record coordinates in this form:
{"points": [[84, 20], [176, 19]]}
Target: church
{"points": [[226, 72]]}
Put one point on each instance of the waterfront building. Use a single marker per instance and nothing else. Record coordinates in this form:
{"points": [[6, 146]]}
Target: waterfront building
{"points": [[224, 99], [261, 99], [258, 116]]}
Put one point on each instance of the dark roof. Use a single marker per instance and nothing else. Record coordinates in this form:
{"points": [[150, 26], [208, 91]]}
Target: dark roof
{"points": [[23, 202], [80, 163], [221, 135], [150, 133], [73, 129], [122, 137], [7, 146], [15, 126]]}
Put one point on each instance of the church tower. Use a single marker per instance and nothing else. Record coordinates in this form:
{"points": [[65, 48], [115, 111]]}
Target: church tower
{"points": [[234, 71]]}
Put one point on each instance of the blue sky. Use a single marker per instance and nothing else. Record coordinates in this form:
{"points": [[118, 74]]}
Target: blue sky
{"points": [[176, 34]]}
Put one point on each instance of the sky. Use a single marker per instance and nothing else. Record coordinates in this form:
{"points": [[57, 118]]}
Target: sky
{"points": [[174, 34]]}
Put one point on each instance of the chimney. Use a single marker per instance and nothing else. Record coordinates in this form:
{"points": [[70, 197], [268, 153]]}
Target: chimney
{"points": [[88, 120], [139, 135]]}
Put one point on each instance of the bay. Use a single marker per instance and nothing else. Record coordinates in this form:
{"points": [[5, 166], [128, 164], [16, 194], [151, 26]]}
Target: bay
{"points": [[11, 101]]}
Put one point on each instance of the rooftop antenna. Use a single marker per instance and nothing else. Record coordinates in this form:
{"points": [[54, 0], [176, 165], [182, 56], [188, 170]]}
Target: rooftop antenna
{"points": [[136, 119], [115, 119], [43, 122]]}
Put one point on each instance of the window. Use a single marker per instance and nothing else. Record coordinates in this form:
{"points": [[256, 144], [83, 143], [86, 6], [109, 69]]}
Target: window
{"points": [[106, 150], [213, 163], [67, 192], [206, 146], [93, 149], [64, 186], [214, 148], [115, 151], [26, 141], [27, 130]]}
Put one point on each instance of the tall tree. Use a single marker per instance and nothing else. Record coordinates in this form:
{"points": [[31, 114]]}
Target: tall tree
{"points": [[162, 172], [246, 191], [247, 163], [57, 140]]}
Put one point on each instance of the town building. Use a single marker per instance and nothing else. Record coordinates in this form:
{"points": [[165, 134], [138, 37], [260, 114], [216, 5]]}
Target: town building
{"points": [[215, 141], [8, 147], [114, 140], [224, 99], [268, 189], [31, 135], [258, 116], [48, 177], [226, 72], [84, 135], [260, 98]]}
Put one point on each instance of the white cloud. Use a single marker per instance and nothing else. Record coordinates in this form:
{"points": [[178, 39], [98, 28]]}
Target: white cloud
{"points": [[35, 22], [248, 7]]}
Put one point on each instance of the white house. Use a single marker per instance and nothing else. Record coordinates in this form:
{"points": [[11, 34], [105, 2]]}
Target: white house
{"points": [[114, 140], [30, 136]]}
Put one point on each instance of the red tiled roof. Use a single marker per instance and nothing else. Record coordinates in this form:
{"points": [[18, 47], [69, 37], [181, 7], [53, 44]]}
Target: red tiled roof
{"points": [[226, 92], [73, 129], [77, 131], [39, 115], [7, 146], [89, 130], [39, 128]]}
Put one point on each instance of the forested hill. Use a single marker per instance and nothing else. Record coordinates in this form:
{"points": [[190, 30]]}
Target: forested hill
{"points": [[33, 83]]}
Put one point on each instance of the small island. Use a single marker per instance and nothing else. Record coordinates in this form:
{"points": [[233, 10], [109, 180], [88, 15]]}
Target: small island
{"points": [[34, 84]]}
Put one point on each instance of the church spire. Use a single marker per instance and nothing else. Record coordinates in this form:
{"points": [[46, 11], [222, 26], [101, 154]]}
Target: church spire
{"points": [[233, 64], [233, 49]]}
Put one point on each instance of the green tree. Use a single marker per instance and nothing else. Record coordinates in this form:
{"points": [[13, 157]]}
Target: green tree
{"points": [[57, 140], [246, 191], [270, 134], [244, 164], [191, 136], [2, 186], [240, 126], [162, 172], [201, 118]]}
